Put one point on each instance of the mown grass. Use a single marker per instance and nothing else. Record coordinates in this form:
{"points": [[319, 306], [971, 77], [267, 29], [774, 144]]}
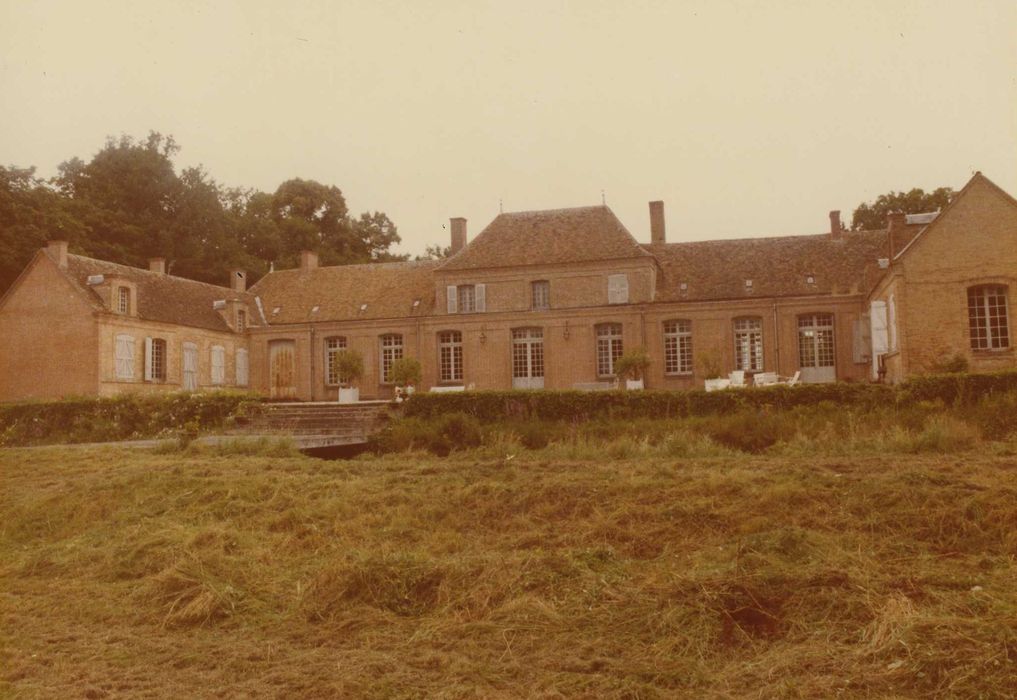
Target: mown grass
{"points": [[509, 573]]}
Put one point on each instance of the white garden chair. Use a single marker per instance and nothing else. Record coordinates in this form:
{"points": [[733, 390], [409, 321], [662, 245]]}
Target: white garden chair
{"points": [[737, 378], [766, 379]]}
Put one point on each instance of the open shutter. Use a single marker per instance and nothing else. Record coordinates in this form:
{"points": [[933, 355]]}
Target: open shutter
{"points": [[880, 344], [861, 341], [480, 291], [148, 359], [453, 300]]}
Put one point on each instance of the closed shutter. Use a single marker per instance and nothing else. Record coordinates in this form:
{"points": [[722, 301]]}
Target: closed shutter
{"points": [[480, 293], [880, 341], [242, 371], [453, 299], [124, 356], [218, 364], [617, 289], [190, 366], [148, 359], [861, 341]]}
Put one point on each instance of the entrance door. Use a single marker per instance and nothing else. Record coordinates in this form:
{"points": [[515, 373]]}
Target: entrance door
{"points": [[282, 374], [817, 359], [528, 358], [190, 367]]}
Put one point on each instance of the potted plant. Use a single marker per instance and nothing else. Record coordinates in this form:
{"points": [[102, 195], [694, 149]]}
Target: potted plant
{"points": [[631, 367], [710, 365], [406, 375], [350, 365]]}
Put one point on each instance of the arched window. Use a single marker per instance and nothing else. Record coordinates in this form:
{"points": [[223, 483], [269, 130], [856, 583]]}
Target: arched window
{"points": [[988, 317], [678, 347], [333, 346], [609, 347], [391, 350], [450, 356], [748, 337]]}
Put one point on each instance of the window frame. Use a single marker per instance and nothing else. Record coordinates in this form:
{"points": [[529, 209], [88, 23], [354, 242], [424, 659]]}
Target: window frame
{"points": [[464, 293], [124, 300], [527, 343], [610, 345], [217, 372], [450, 357], [330, 353], [823, 351], [389, 352], [680, 336], [756, 349], [989, 328], [545, 287], [156, 360], [242, 378]]}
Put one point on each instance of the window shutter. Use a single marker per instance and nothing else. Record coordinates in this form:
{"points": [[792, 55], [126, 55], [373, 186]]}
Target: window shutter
{"points": [[877, 319], [124, 357], [617, 289], [480, 293], [860, 341], [453, 299], [218, 364], [148, 359], [242, 367]]}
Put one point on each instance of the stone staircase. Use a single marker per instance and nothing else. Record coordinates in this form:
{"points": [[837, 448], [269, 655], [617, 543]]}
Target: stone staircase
{"points": [[319, 424]]}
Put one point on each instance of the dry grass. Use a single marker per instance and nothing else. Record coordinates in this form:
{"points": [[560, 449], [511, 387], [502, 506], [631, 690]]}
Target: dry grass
{"points": [[682, 571]]}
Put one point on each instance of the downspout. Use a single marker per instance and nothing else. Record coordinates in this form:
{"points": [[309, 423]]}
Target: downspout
{"points": [[776, 336], [313, 353]]}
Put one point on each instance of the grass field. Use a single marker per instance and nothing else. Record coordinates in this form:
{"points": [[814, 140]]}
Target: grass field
{"points": [[190, 574]]}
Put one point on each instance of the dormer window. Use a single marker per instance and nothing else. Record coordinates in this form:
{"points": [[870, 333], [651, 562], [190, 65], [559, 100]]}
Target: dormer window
{"points": [[810, 279], [748, 285], [466, 298], [241, 320], [124, 300]]}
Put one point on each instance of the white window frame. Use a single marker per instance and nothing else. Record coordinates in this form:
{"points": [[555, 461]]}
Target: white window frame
{"points": [[610, 346], [748, 343], [989, 318], [333, 345], [466, 298], [156, 358], [391, 349], [528, 358], [124, 300], [817, 343], [450, 357], [218, 354], [243, 367], [123, 354], [678, 347]]}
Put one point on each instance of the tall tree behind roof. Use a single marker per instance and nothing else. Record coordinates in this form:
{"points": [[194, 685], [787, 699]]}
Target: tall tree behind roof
{"points": [[870, 217]]}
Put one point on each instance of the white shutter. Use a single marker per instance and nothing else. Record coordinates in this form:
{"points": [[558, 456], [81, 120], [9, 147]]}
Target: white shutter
{"points": [[190, 366], [453, 299], [218, 364], [124, 356], [861, 342], [877, 318], [617, 289], [148, 359], [242, 371], [480, 297]]}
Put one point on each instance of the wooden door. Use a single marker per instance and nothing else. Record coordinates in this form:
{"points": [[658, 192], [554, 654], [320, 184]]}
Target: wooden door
{"points": [[282, 369]]}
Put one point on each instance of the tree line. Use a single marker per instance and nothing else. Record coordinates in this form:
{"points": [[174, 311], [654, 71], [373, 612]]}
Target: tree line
{"points": [[129, 203]]}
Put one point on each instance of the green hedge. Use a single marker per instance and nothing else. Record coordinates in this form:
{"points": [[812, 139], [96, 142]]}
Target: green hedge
{"points": [[130, 416], [490, 406]]}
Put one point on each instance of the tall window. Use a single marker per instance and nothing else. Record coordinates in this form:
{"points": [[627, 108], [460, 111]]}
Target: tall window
{"points": [[241, 320], [540, 292], [124, 355], [243, 368], [467, 298], [748, 334], [450, 356], [988, 318], [391, 350], [815, 340], [678, 347], [528, 358], [190, 353], [155, 359], [218, 364], [609, 348], [333, 346], [124, 300]]}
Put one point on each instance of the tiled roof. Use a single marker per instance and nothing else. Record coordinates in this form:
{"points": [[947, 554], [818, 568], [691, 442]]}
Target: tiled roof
{"points": [[388, 289], [163, 298], [715, 270], [548, 237]]}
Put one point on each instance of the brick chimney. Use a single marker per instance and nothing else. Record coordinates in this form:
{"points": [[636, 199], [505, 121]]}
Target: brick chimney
{"points": [[308, 260], [895, 223], [157, 265], [458, 227], [58, 249], [657, 222], [238, 280], [835, 227]]}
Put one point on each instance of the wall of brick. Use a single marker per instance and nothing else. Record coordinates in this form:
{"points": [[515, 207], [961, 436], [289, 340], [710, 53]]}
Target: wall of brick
{"points": [[48, 337]]}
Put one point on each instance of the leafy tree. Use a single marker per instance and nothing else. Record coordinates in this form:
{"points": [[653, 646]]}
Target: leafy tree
{"points": [[435, 252], [873, 216]]}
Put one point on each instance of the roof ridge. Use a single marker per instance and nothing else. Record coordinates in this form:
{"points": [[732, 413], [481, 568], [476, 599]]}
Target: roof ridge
{"points": [[553, 210], [791, 236], [142, 270], [345, 266]]}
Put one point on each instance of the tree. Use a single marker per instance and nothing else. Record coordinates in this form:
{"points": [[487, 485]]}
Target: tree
{"points": [[873, 216], [435, 252]]}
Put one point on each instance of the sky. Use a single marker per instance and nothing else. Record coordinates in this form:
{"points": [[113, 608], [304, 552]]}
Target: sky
{"points": [[746, 118]]}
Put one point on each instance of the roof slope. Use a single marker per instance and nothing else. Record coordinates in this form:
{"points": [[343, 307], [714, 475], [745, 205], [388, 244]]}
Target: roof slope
{"points": [[715, 270], [339, 292], [162, 298], [549, 237]]}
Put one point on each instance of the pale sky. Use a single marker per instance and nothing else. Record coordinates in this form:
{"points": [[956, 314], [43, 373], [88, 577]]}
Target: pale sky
{"points": [[746, 118]]}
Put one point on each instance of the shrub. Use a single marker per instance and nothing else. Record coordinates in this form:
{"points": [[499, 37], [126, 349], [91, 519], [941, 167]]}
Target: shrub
{"points": [[406, 371], [632, 364], [350, 365], [952, 364], [995, 415], [534, 436], [749, 432]]}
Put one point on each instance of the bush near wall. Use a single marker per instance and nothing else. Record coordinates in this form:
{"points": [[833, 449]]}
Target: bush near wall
{"points": [[492, 406], [130, 416]]}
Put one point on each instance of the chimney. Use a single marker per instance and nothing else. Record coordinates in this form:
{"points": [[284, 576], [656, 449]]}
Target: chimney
{"points": [[308, 260], [458, 226], [157, 265], [657, 222], [58, 249], [895, 223], [238, 281], [835, 228]]}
